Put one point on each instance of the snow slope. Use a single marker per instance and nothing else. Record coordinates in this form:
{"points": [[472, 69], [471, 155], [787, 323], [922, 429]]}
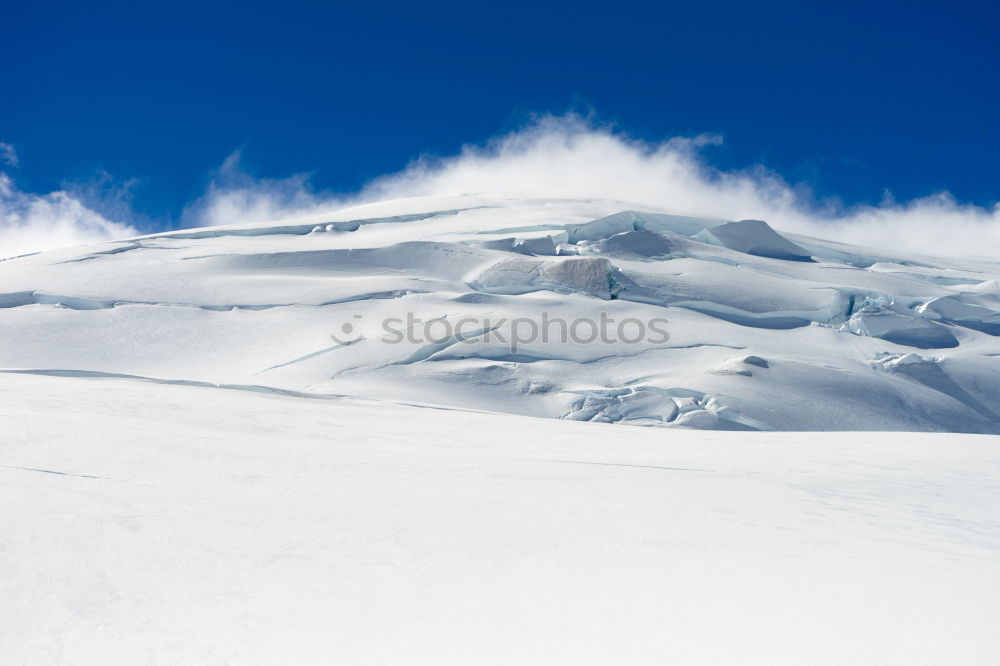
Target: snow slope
{"points": [[147, 523], [214, 451], [766, 331]]}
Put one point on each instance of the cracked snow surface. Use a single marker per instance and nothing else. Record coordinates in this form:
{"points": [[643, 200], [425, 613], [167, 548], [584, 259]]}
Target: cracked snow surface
{"points": [[213, 449], [258, 305]]}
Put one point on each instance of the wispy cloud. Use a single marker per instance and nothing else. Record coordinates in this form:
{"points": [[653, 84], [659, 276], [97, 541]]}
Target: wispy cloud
{"points": [[569, 156], [8, 155], [234, 196], [33, 222], [565, 156]]}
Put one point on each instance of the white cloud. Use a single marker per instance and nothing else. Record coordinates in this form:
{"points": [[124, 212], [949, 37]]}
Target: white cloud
{"points": [[570, 156], [7, 154], [234, 196], [554, 157], [33, 222]]}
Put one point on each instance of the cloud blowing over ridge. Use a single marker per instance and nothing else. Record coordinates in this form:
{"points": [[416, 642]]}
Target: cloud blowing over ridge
{"points": [[569, 156], [34, 222]]}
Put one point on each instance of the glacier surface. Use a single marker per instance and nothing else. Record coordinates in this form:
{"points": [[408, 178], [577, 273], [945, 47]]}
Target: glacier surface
{"points": [[313, 441], [258, 304]]}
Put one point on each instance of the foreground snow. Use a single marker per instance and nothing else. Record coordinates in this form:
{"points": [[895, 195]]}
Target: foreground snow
{"points": [[164, 524]]}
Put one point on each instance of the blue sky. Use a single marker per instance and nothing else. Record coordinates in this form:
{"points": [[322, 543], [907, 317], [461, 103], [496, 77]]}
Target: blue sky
{"points": [[134, 106]]}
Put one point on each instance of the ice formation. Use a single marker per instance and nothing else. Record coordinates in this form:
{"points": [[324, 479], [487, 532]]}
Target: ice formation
{"points": [[766, 331]]}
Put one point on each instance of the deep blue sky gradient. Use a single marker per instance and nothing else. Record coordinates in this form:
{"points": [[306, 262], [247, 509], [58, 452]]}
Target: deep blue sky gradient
{"points": [[850, 98]]}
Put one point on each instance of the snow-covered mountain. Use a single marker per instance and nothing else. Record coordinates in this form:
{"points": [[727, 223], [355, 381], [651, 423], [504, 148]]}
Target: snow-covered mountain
{"points": [[215, 446], [573, 309]]}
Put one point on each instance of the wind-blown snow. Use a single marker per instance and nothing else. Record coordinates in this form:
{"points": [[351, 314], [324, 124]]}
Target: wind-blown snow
{"points": [[32, 222], [267, 305], [566, 156]]}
